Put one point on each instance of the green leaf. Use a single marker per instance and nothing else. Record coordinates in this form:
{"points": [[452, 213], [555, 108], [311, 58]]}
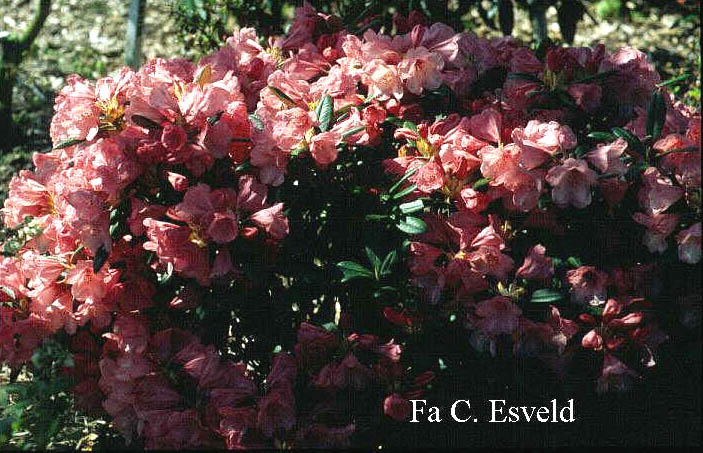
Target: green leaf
{"points": [[244, 166], [147, 123], [574, 262], [407, 191], [8, 291], [656, 115], [282, 96], [214, 118], [330, 327], [388, 262], [565, 98], [256, 122], [410, 125], [580, 151], [353, 270], [674, 80], [165, 277], [524, 76], [340, 114], [481, 185], [412, 207], [405, 177], [100, 259], [412, 225], [352, 131], [68, 142], [596, 77], [630, 138], [115, 230], [605, 136], [373, 259], [326, 110], [297, 152], [545, 296]]}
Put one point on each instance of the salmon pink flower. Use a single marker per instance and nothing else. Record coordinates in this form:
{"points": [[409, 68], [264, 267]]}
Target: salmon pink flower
{"points": [[571, 183], [396, 407], [615, 375], [539, 141], [607, 158], [323, 147], [272, 220], [588, 285], [180, 246], [497, 316], [420, 70], [383, 80], [659, 227], [536, 266], [689, 241], [658, 193]]}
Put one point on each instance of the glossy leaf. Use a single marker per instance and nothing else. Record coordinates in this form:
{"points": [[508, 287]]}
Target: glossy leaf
{"points": [[412, 225], [545, 296], [326, 110]]}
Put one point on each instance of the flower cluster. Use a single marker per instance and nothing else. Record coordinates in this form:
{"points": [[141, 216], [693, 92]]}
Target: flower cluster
{"points": [[524, 175]]}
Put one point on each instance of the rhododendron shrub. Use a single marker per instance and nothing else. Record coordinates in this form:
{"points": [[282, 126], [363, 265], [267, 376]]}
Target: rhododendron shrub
{"points": [[283, 243]]}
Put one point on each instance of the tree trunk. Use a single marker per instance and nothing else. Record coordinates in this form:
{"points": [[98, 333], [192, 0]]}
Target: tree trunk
{"points": [[13, 49], [133, 43], [8, 135], [538, 18]]}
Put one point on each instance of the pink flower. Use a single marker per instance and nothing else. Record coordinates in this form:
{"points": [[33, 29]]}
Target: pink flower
{"points": [[211, 212], [314, 345], [396, 407], [657, 193], [323, 147], [473, 201], [350, 373], [659, 227], [383, 80], [588, 284], [140, 211], [571, 183], [27, 197], [536, 266], [276, 412], [420, 70], [173, 137], [615, 375], [488, 260], [497, 316], [586, 95], [606, 157], [689, 241], [272, 220], [429, 177], [538, 141], [177, 181], [635, 80], [562, 329], [179, 246], [487, 125], [498, 163], [613, 190]]}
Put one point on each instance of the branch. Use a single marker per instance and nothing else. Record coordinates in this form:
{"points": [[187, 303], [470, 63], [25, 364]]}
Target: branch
{"points": [[40, 15]]}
